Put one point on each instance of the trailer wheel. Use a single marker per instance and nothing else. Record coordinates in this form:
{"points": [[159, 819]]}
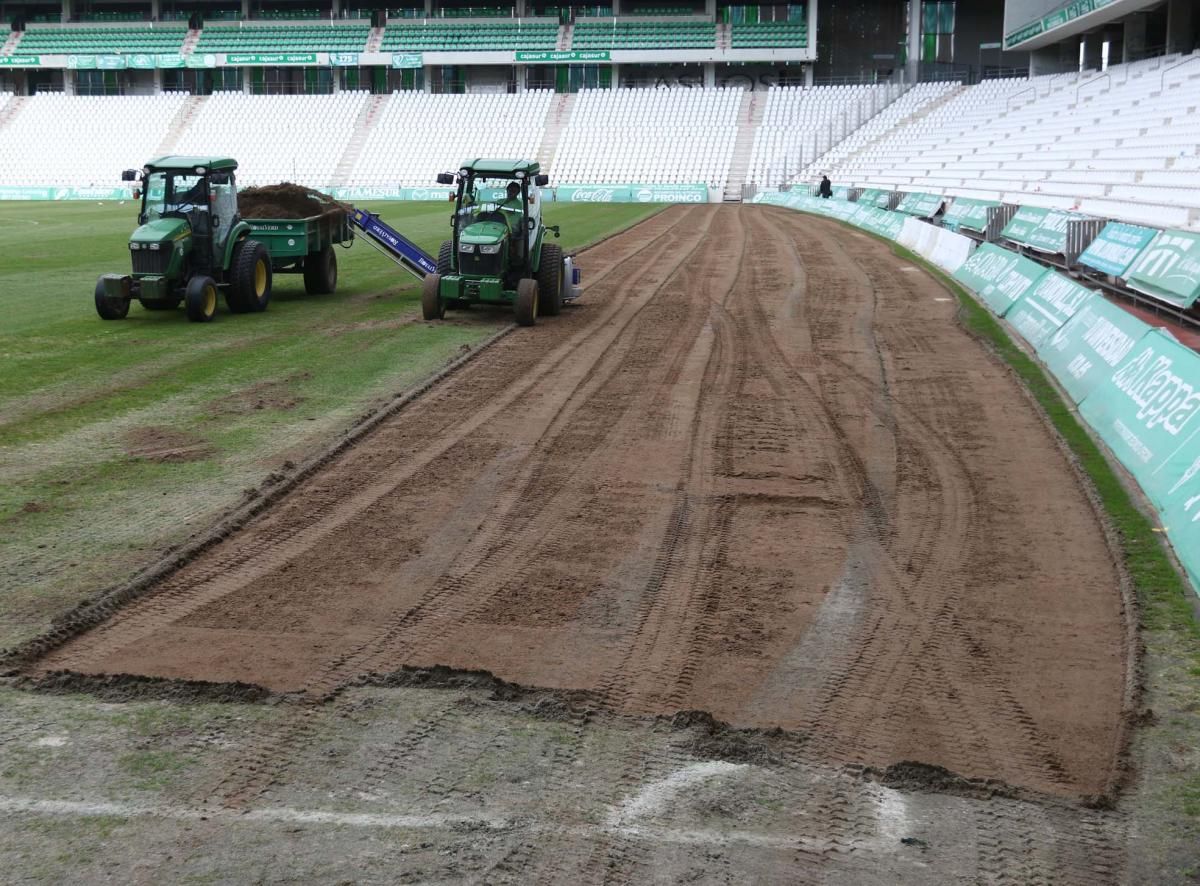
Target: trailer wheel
{"points": [[249, 278], [550, 280], [526, 306], [159, 304], [433, 307], [110, 308], [200, 299], [321, 272]]}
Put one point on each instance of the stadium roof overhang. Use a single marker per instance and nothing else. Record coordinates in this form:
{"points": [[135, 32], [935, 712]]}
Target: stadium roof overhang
{"points": [[1069, 20]]}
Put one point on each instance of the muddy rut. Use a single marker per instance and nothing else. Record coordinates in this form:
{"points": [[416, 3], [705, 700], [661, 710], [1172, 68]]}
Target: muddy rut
{"points": [[759, 472]]}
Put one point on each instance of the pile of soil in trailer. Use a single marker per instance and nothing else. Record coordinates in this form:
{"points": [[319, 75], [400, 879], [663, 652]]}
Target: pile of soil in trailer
{"points": [[286, 200]]}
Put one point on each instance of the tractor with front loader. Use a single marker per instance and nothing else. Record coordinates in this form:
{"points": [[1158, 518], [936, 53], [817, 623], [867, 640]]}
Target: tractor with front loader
{"points": [[498, 254]]}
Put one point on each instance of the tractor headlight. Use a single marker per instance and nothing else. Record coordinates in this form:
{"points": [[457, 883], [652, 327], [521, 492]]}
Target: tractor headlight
{"points": [[466, 247], [135, 246], [491, 249], [155, 246]]}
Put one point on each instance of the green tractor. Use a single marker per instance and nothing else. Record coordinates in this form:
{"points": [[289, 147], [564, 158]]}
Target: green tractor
{"points": [[497, 254], [190, 244]]}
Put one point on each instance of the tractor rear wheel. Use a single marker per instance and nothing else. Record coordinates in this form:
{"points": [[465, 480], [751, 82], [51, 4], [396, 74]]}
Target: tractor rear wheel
{"points": [[433, 306], [320, 272], [550, 280], [159, 304], [446, 257], [200, 299], [249, 278], [526, 307], [110, 308]]}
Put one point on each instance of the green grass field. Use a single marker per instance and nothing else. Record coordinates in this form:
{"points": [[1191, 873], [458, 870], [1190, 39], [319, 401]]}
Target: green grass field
{"points": [[118, 439]]}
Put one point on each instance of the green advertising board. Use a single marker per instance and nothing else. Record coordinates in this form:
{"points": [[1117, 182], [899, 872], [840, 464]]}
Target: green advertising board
{"points": [[254, 59], [168, 60], [1051, 235], [36, 193], [1028, 32], [196, 60], [1047, 306], [20, 61], [1000, 277], [1169, 268], [967, 213], [1181, 516], [920, 205], [631, 193], [1116, 248], [553, 58], [387, 192], [1090, 346], [407, 60], [344, 59], [1027, 220], [1148, 413], [874, 197], [140, 62]]}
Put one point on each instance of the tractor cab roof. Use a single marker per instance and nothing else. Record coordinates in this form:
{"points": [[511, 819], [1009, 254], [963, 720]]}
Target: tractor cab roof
{"points": [[499, 168], [185, 163]]}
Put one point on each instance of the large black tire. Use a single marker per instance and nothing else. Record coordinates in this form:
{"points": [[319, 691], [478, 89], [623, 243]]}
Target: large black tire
{"points": [[200, 299], [526, 305], [446, 257], [550, 280], [433, 307], [321, 272], [159, 304], [250, 278], [110, 308]]}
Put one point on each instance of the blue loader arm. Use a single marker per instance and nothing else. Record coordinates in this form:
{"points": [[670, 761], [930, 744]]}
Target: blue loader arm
{"points": [[393, 244]]}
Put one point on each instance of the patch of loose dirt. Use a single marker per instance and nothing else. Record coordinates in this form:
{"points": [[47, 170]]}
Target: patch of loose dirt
{"points": [[757, 475], [153, 443], [274, 395], [286, 200]]}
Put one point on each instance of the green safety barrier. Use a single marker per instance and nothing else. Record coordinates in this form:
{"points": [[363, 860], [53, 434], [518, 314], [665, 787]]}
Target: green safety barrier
{"points": [[967, 213], [1047, 306], [1116, 248], [1181, 517], [1148, 413], [35, 193], [1091, 345], [920, 205], [1169, 269], [1027, 220], [1000, 277]]}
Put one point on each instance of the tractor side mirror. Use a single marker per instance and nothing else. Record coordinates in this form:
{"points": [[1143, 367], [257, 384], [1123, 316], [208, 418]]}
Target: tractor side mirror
{"points": [[541, 180], [129, 175], [445, 178], [137, 193]]}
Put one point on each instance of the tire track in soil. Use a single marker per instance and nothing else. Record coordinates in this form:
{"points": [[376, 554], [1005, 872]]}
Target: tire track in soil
{"points": [[602, 521]]}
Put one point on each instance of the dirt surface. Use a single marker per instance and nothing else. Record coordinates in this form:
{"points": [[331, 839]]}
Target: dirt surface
{"points": [[760, 498], [286, 200]]}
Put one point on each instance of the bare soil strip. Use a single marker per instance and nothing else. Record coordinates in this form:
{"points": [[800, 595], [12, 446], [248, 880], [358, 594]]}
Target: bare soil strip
{"points": [[761, 473]]}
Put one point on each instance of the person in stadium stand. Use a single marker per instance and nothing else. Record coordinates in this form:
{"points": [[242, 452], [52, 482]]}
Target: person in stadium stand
{"points": [[826, 189]]}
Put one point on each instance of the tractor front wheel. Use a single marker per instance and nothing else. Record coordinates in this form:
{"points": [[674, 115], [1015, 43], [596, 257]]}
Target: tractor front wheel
{"points": [[249, 278], [550, 280], [200, 299], [110, 308], [526, 307], [433, 306], [320, 272]]}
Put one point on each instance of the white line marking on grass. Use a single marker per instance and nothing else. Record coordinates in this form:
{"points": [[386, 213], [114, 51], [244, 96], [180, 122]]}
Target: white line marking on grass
{"points": [[657, 794]]}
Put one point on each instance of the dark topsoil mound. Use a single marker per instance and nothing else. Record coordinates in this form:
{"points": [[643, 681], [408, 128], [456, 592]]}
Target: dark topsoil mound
{"points": [[286, 200]]}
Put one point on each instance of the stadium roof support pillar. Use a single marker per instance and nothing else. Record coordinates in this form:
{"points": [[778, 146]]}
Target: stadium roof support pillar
{"points": [[710, 75], [66, 11], [1134, 36], [710, 7], [912, 65], [156, 9], [245, 9]]}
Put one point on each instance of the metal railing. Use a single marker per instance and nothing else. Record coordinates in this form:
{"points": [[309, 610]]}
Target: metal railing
{"points": [[1105, 76], [1018, 94], [1179, 64]]}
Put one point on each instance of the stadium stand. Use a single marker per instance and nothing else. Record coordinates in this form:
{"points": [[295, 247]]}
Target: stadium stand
{"points": [[668, 136], [763, 35], [94, 138], [417, 135], [476, 37], [618, 34], [1124, 144], [290, 38], [297, 138], [797, 126], [47, 41]]}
